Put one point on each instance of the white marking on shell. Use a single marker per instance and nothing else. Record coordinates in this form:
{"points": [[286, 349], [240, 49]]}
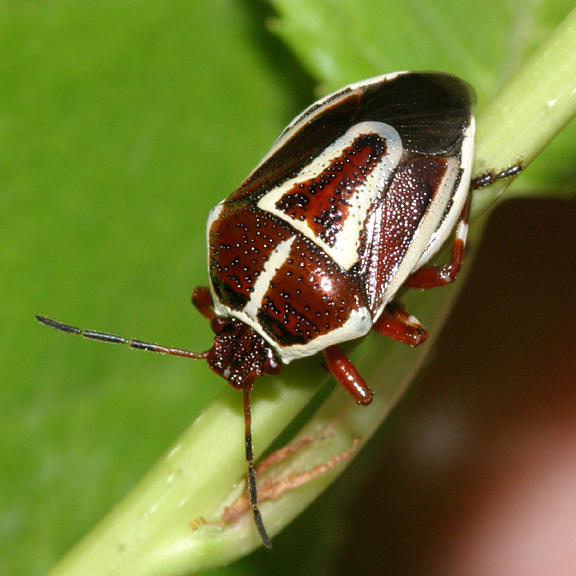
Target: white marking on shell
{"points": [[358, 324], [344, 250], [459, 196], [277, 258], [214, 214]]}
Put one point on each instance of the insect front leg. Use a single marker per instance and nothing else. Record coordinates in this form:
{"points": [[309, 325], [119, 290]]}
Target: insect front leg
{"points": [[347, 375], [202, 300]]}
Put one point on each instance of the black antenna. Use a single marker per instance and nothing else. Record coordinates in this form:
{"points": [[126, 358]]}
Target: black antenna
{"points": [[114, 339], [150, 347], [252, 490]]}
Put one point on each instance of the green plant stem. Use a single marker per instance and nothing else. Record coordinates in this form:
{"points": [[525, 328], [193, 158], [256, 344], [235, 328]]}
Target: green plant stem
{"points": [[150, 533], [529, 111]]}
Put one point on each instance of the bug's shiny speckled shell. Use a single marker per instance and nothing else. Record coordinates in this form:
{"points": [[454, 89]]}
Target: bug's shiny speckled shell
{"points": [[358, 192]]}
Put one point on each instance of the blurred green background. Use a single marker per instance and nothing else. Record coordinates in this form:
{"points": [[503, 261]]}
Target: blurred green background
{"points": [[121, 124]]}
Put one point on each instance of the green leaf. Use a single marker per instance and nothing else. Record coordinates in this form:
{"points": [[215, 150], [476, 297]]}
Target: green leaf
{"points": [[121, 125]]}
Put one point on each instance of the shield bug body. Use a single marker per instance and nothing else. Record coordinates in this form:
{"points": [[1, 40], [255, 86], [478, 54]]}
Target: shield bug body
{"points": [[352, 201]]}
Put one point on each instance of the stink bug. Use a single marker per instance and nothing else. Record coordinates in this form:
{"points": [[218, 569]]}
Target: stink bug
{"points": [[354, 198]]}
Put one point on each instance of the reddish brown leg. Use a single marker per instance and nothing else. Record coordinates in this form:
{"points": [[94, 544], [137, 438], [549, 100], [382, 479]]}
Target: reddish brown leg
{"points": [[347, 375], [445, 274], [202, 299], [397, 324]]}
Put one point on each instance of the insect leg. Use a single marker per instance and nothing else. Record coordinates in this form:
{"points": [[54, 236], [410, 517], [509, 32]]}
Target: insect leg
{"points": [[488, 178], [445, 274], [347, 375], [202, 299], [399, 325]]}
